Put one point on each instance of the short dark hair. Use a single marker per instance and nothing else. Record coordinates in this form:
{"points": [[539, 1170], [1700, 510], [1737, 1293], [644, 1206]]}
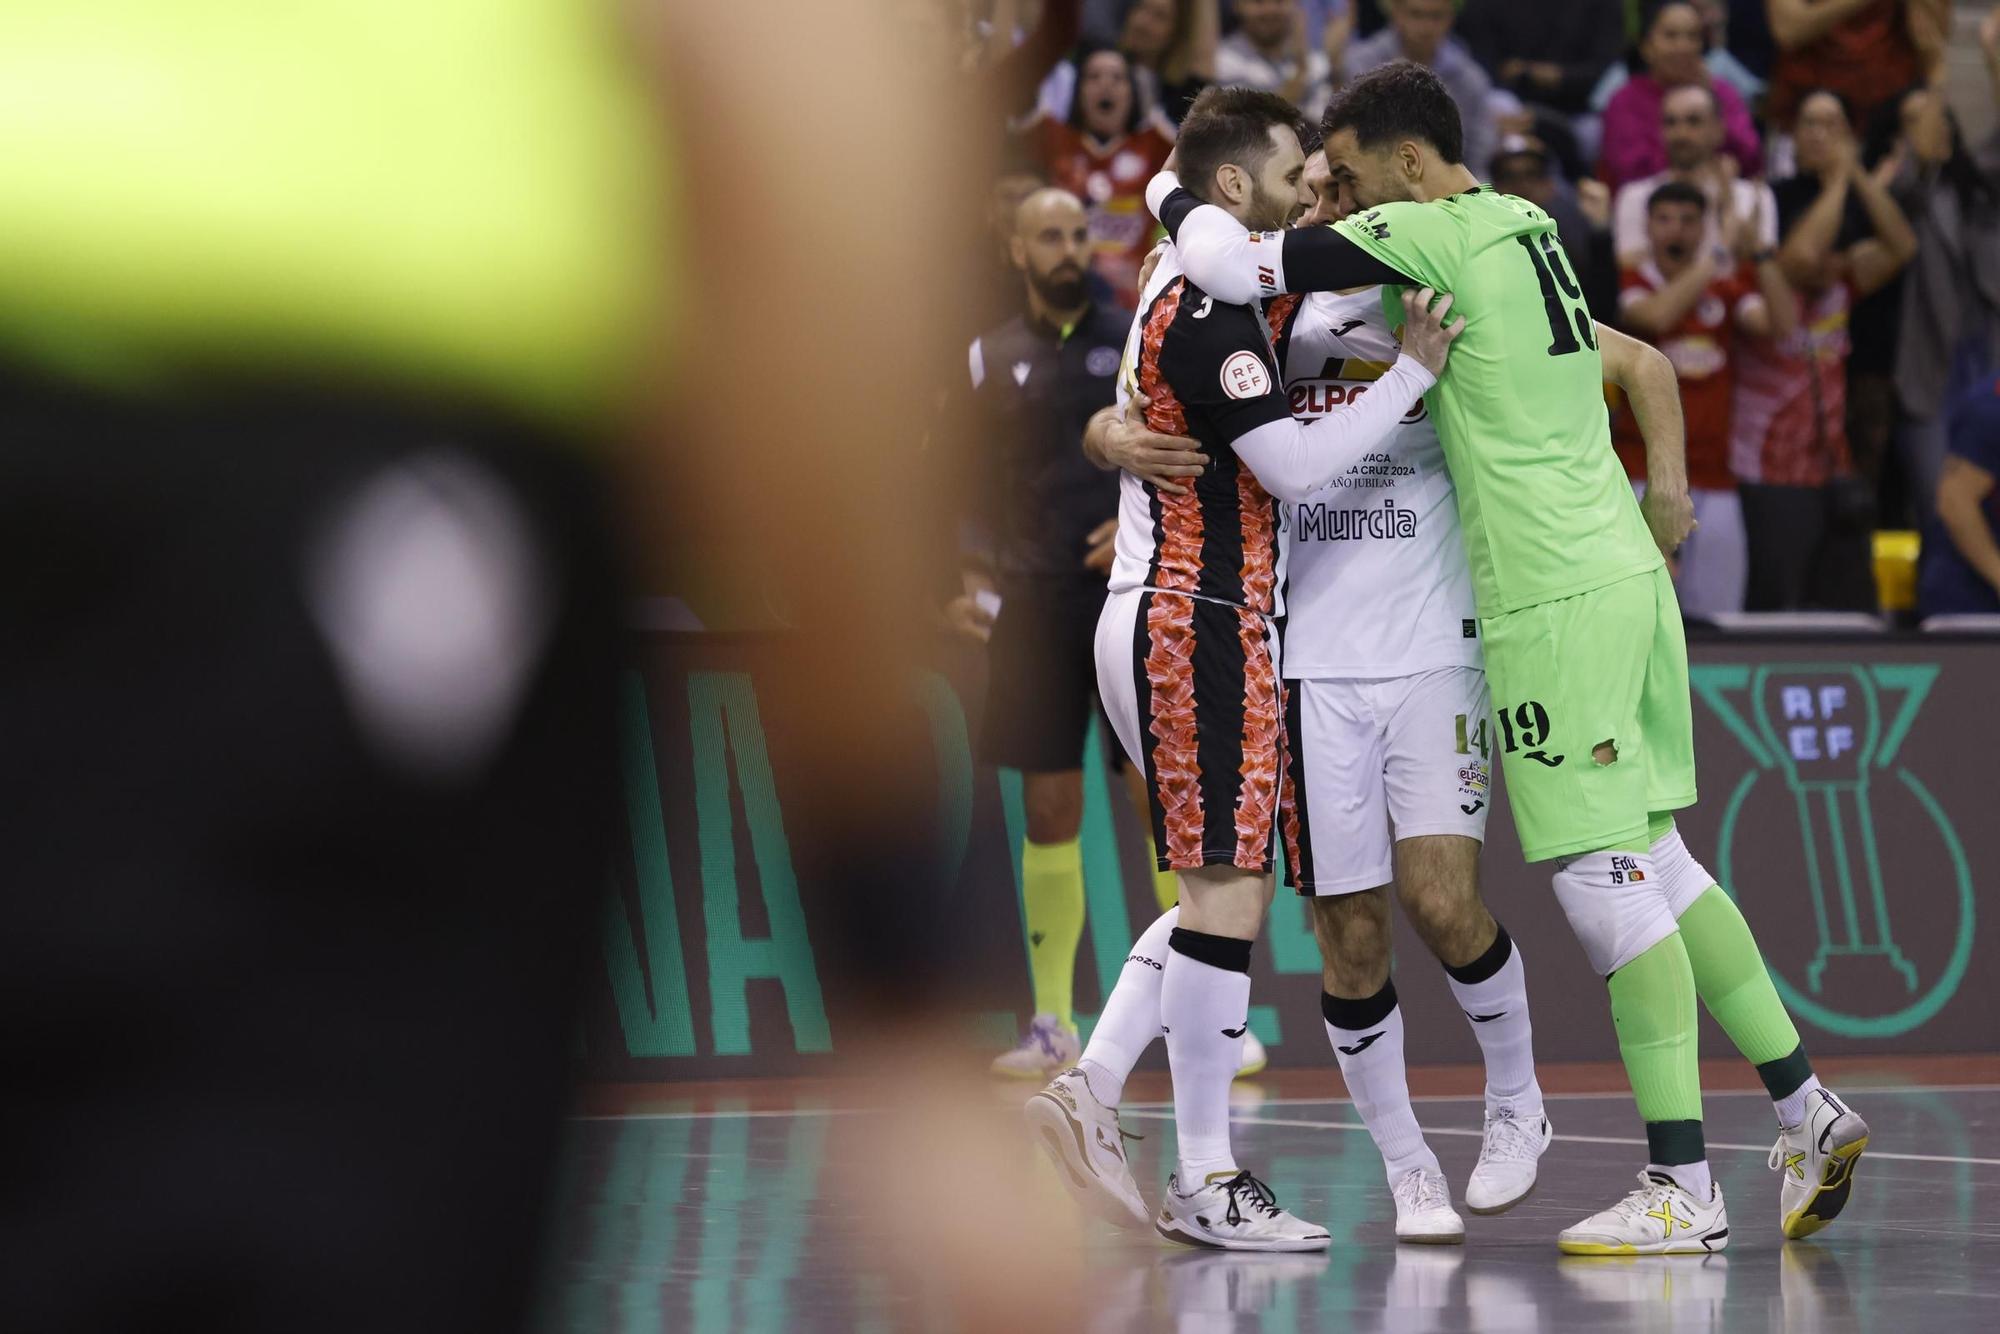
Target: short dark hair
{"points": [[1400, 100], [1707, 90], [1228, 125], [1677, 192]]}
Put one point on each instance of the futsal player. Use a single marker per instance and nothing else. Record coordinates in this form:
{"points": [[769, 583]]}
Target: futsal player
{"points": [[1040, 520], [1387, 728], [1583, 639], [1188, 668]]}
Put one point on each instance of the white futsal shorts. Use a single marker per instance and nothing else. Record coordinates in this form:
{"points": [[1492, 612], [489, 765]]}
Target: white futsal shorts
{"points": [[1372, 761]]}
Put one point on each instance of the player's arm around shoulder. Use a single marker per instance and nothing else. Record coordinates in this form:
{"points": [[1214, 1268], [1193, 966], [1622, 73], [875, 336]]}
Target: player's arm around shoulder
{"points": [[1654, 392]]}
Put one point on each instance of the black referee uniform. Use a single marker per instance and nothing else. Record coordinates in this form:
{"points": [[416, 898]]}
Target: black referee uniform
{"points": [[1034, 388]]}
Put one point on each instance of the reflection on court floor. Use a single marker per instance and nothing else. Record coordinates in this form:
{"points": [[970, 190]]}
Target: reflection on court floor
{"points": [[720, 1221]]}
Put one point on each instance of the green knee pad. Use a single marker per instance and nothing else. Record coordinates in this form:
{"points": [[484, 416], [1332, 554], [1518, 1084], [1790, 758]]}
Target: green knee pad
{"points": [[1652, 1005], [1730, 976]]}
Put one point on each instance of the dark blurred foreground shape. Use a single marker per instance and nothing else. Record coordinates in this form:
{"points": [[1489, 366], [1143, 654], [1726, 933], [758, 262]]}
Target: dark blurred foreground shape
{"points": [[316, 319], [320, 325]]}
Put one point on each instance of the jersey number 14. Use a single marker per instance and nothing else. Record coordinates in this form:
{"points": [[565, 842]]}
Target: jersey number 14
{"points": [[1567, 323]]}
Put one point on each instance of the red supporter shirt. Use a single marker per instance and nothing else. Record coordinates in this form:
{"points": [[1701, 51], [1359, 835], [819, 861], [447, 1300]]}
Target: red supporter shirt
{"points": [[1790, 427], [1111, 182], [1702, 348], [1867, 58]]}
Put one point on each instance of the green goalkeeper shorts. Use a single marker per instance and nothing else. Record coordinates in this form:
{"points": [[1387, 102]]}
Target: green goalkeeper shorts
{"points": [[1590, 695]]}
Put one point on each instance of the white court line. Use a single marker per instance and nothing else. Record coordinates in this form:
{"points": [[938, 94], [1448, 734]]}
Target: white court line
{"points": [[1566, 1139], [1153, 1108], [1584, 1097]]}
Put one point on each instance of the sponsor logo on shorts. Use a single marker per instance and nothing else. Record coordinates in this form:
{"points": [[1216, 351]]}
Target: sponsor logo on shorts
{"points": [[1150, 963]]}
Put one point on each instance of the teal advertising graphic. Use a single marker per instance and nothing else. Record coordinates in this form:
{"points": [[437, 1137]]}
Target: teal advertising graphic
{"points": [[1843, 797], [1870, 835]]}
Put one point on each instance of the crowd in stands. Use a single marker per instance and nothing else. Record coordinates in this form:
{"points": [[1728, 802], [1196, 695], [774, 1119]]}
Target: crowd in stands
{"points": [[1775, 193]]}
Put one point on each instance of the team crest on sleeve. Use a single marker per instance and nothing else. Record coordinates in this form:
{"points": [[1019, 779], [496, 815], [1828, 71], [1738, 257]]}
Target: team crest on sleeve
{"points": [[1244, 375]]}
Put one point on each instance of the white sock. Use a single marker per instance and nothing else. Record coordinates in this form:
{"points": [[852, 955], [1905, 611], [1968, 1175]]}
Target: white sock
{"points": [[1792, 1107], [1131, 1018], [1690, 1177], [1495, 1002], [1205, 1008], [1367, 1038]]}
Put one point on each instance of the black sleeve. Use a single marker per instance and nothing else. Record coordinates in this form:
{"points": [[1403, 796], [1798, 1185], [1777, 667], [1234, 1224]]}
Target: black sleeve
{"points": [[1219, 366], [1317, 259]]}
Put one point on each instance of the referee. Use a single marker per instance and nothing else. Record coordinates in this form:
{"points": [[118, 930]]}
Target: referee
{"points": [[1038, 537]]}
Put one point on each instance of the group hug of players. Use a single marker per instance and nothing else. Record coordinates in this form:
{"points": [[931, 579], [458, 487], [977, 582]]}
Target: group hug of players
{"points": [[1318, 628]]}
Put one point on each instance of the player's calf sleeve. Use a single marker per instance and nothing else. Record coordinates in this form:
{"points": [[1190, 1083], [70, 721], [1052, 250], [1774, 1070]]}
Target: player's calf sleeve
{"points": [[1052, 900], [1131, 1018], [1493, 992], [1729, 972], [1367, 1038], [1652, 1006], [1205, 1009]]}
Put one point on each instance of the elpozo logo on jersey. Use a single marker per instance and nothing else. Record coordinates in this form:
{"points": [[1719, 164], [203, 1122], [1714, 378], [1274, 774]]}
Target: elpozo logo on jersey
{"points": [[1843, 857]]}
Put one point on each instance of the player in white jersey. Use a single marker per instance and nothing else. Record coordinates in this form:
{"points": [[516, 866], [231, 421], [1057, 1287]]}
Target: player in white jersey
{"points": [[1386, 724]]}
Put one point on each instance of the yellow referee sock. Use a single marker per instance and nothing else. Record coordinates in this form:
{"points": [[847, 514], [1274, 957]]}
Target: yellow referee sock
{"points": [[1052, 895]]}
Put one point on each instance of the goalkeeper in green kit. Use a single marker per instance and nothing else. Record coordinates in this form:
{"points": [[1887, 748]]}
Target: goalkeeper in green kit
{"points": [[1583, 642]]}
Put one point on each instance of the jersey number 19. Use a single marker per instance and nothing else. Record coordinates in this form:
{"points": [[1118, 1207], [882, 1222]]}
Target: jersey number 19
{"points": [[1567, 323]]}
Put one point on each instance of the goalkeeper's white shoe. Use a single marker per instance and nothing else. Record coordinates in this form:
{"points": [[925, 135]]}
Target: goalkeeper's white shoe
{"points": [[1234, 1213], [1816, 1161], [1084, 1140], [1659, 1218]]}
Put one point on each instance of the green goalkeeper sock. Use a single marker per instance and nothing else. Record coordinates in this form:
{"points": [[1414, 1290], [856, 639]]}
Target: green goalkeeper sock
{"points": [[1730, 977], [1052, 895], [1652, 1005]]}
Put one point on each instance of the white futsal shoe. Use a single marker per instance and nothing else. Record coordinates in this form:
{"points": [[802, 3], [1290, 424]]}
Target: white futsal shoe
{"points": [[1510, 1154], [1048, 1047], [1234, 1213], [1659, 1218], [1084, 1140], [1816, 1160], [1423, 1210], [1254, 1057]]}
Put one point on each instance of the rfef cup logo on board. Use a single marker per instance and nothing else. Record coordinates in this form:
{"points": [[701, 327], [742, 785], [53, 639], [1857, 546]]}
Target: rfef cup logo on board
{"points": [[1866, 911]]}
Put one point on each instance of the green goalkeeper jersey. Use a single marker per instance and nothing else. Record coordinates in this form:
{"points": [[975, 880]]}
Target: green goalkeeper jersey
{"points": [[1545, 505]]}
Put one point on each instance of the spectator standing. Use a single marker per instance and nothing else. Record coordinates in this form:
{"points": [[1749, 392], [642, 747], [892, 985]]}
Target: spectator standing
{"points": [[1270, 51], [1961, 557], [1104, 152], [1865, 50], [1548, 54], [1722, 61], [1670, 55], [1420, 30], [1822, 142], [1582, 212], [1696, 300], [1691, 129], [1950, 327], [1171, 44], [1807, 514]]}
